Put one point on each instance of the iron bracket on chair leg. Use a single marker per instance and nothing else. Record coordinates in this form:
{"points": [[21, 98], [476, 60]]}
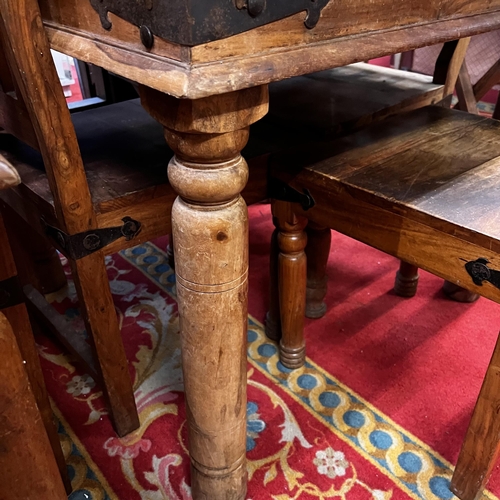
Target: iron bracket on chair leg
{"points": [[11, 293], [280, 190], [77, 246]]}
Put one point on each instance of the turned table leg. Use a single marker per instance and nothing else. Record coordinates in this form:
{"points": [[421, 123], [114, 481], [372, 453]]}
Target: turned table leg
{"points": [[210, 233]]}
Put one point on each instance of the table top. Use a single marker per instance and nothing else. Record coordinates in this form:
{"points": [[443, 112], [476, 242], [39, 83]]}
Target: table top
{"points": [[347, 31]]}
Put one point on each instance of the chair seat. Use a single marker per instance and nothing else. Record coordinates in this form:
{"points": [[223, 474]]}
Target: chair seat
{"points": [[126, 156], [339, 100], [123, 150], [430, 177]]}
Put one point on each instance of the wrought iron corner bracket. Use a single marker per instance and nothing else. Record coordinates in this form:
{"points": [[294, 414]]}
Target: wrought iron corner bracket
{"points": [[480, 272], [77, 246], [194, 22], [280, 190]]}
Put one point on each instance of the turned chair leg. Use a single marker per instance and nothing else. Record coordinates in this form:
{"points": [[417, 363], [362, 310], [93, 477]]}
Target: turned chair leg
{"points": [[319, 240], [406, 282], [28, 468], [459, 294], [13, 308], [292, 272], [481, 446], [273, 320], [101, 321]]}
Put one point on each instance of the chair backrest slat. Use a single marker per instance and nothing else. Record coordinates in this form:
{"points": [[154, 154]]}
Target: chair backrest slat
{"points": [[448, 64], [26, 46]]}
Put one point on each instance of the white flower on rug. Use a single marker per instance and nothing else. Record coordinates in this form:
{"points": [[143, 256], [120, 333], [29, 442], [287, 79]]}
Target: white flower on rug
{"points": [[331, 463], [80, 384]]}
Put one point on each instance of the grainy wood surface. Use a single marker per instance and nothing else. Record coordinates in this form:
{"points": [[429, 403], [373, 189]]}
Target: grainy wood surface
{"points": [[487, 81], [481, 446], [355, 96], [423, 137], [69, 204], [17, 317], [465, 92], [25, 446], [292, 278], [101, 322], [449, 63], [323, 104], [42, 94], [348, 32], [425, 189], [210, 235], [126, 158]]}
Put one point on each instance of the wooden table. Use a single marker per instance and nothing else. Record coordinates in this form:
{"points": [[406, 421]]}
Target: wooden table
{"points": [[206, 91]]}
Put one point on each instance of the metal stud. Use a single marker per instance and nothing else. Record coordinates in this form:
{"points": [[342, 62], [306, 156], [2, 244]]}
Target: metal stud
{"points": [[147, 37], [256, 7]]}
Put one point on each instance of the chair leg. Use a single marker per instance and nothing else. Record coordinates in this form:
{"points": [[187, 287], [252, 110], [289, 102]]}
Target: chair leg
{"points": [[481, 446], [292, 271], [28, 469], [101, 322], [17, 316], [459, 294], [496, 113], [48, 268], [37, 261], [319, 240], [273, 320], [406, 282], [19, 320]]}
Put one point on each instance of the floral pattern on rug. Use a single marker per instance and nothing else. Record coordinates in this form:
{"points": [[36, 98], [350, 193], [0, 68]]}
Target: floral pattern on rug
{"points": [[308, 436]]}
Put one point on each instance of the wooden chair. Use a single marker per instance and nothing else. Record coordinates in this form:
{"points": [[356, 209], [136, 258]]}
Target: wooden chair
{"points": [[95, 182], [25, 446], [469, 95], [318, 107], [25, 409], [423, 187]]}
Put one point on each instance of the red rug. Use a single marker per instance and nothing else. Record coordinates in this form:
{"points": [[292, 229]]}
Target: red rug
{"points": [[378, 412]]}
